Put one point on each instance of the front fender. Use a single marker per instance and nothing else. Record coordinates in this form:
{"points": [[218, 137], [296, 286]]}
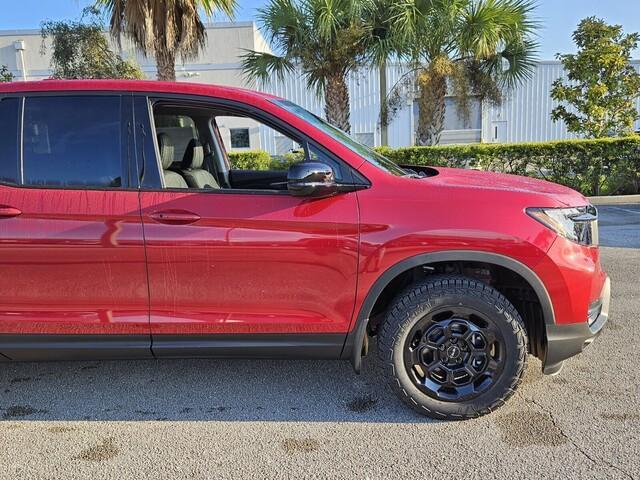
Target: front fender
{"points": [[355, 338]]}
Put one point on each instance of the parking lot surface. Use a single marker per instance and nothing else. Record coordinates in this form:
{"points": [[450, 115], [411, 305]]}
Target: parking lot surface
{"points": [[308, 419], [620, 225]]}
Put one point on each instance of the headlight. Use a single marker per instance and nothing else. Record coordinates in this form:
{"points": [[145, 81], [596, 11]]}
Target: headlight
{"points": [[578, 224]]}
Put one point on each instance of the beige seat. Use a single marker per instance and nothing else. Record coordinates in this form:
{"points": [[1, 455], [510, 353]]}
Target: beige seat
{"points": [[192, 171], [171, 179]]}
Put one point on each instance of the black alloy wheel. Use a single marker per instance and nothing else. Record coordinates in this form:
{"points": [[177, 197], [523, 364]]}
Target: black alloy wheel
{"points": [[453, 347], [454, 354]]}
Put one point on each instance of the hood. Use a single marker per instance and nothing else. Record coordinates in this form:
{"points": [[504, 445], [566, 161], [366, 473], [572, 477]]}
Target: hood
{"points": [[463, 178]]}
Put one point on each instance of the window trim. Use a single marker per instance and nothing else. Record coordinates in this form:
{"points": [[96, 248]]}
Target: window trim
{"points": [[125, 156], [254, 113], [18, 140], [21, 141]]}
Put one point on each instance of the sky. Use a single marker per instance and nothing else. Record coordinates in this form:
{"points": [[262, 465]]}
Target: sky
{"points": [[558, 17]]}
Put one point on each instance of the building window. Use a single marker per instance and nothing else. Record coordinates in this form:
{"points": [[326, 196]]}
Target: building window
{"points": [[239, 137]]}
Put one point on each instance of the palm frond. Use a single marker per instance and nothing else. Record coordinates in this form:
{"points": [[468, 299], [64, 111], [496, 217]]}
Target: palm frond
{"points": [[522, 57], [228, 7], [263, 65], [157, 26]]}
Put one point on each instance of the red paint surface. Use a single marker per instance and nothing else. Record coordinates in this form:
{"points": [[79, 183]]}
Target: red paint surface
{"points": [[252, 263], [74, 261]]}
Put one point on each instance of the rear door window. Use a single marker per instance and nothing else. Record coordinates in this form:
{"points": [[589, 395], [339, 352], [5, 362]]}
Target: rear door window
{"points": [[73, 141], [9, 131]]}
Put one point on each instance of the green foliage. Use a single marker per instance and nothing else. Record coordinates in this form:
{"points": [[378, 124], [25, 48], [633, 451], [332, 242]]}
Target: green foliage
{"points": [[5, 74], [599, 98], [250, 160], [261, 160], [608, 166], [469, 47], [164, 28], [325, 39], [81, 51]]}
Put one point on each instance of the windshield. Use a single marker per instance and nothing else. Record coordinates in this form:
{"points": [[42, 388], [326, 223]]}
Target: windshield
{"points": [[364, 151]]}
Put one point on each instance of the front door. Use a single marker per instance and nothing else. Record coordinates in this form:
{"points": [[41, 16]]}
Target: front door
{"points": [[236, 269], [73, 275]]}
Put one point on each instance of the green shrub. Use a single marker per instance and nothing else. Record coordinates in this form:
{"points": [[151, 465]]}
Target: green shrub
{"points": [[285, 161], [609, 166], [261, 160], [250, 160]]}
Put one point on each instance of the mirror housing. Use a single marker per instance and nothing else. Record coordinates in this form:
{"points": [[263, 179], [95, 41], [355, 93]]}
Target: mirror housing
{"points": [[311, 179]]}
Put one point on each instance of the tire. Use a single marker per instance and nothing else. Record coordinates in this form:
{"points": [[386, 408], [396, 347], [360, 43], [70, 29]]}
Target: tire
{"points": [[417, 346]]}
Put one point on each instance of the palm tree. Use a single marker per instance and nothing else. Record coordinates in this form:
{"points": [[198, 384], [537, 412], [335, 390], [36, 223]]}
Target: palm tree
{"points": [[326, 39], [164, 28], [475, 47]]}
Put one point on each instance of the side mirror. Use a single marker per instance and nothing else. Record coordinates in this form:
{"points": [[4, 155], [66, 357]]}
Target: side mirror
{"points": [[311, 179]]}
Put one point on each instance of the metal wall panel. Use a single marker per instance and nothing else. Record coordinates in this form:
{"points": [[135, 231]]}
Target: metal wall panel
{"points": [[524, 115]]}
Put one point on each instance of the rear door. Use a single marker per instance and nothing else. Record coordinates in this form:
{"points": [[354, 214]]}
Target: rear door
{"points": [[73, 279]]}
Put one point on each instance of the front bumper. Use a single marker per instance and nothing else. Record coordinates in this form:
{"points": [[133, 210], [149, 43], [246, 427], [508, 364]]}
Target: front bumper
{"points": [[565, 341]]}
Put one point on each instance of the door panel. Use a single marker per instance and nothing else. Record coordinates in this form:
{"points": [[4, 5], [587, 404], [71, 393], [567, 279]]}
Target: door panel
{"points": [[71, 242], [72, 263], [250, 263]]}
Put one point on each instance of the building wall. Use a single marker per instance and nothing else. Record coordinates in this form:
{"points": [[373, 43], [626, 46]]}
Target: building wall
{"points": [[523, 116], [218, 63]]}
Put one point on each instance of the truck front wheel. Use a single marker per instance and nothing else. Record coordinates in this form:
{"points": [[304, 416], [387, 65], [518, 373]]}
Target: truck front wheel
{"points": [[453, 347]]}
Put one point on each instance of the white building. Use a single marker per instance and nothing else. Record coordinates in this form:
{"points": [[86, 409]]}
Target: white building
{"points": [[523, 116], [219, 63]]}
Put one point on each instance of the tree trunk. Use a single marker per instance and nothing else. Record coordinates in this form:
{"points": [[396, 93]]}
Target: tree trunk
{"points": [[336, 97], [166, 65], [432, 90], [384, 125]]}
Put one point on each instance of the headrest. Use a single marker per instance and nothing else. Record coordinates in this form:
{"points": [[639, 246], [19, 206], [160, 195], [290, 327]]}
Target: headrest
{"points": [[165, 145], [193, 156]]}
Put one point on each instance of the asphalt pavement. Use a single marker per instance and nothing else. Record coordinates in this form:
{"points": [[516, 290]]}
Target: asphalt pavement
{"points": [[215, 419], [620, 225]]}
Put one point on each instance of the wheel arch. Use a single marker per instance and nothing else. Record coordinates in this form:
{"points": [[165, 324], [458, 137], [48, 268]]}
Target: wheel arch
{"points": [[355, 341]]}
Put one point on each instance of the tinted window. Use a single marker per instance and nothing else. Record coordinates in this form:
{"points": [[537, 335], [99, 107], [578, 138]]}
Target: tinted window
{"points": [[9, 128], [72, 141]]}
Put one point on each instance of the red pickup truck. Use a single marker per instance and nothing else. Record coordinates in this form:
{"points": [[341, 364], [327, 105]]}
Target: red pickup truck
{"points": [[129, 228]]}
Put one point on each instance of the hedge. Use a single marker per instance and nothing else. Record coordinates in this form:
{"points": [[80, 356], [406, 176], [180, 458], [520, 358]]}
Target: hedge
{"points": [[261, 160], [608, 166], [250, 160]]}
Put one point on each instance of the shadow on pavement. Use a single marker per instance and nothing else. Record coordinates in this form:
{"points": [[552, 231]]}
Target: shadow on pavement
{"points": [[219, 390]]}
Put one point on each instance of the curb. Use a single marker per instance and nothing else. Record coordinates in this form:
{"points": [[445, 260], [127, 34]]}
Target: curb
{"points": [[615, 200]]}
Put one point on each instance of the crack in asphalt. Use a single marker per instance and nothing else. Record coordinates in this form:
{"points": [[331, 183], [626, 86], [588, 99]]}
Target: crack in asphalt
{"points": [[595, 461]]}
